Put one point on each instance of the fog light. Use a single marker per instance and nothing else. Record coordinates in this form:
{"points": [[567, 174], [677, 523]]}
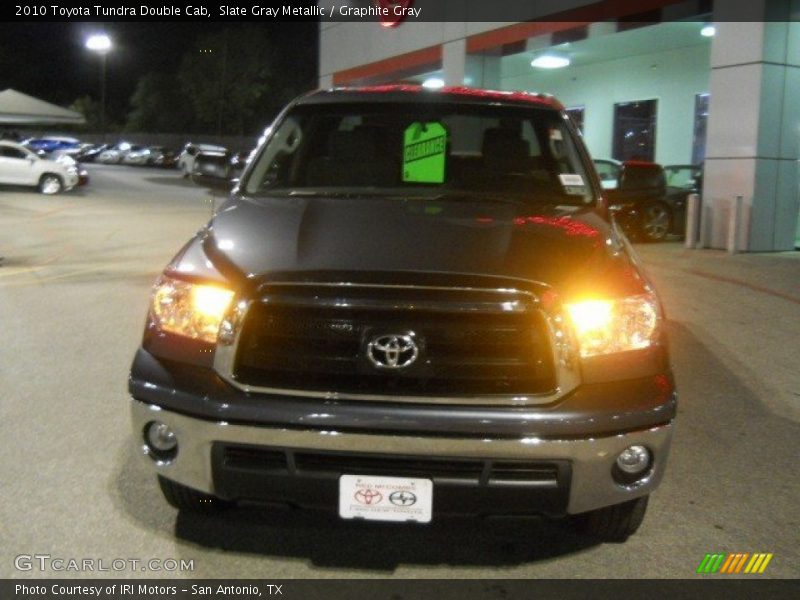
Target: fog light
{"points": [[633, 460], [161, 440]]}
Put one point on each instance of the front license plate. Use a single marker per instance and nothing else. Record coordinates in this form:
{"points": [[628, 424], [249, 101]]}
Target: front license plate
{"points": [[385, 498]]}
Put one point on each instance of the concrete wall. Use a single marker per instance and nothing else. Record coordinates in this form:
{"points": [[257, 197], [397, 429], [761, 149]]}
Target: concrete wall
{"points": [[754, 134], [672, 77]]}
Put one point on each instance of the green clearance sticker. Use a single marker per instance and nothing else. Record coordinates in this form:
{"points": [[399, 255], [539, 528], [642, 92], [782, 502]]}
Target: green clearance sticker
{"points": [[424, 150]]}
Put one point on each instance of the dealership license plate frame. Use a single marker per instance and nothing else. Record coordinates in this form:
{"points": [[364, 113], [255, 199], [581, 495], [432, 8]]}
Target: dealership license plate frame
{"points": [[384, 498]]}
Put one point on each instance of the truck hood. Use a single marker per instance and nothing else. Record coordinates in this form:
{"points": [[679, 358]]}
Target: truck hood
{"points": [[275, 236]]}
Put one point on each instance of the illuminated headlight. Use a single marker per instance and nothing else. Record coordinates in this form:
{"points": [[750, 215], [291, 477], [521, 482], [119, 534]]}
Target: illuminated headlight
{"points": [[609, 326], [189, 309]]}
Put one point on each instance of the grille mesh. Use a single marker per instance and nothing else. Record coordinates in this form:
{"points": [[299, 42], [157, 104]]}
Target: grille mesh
{"points": [[472, 471], [470, 344]]}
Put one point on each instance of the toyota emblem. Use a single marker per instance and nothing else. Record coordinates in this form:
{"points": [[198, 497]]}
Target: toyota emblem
{"points": [[368, 496], [392, 351]]}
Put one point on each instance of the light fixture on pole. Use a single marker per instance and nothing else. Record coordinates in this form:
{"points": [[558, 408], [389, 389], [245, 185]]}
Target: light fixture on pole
{"points": [[101, 44]]}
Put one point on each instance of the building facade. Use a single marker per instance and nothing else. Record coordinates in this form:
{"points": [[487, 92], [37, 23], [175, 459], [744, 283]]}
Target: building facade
{"points": [[674, 82]]}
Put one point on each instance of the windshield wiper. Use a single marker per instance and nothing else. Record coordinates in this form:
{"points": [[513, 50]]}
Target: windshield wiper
{"points": [[339, 194], [456, 195], [300, 193]]}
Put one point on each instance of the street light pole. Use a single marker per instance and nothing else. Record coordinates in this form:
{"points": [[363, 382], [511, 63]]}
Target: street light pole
{"points": [[103, 96], [101, 44]]}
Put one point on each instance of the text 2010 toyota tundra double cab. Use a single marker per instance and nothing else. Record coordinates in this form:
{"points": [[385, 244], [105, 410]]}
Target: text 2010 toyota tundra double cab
{"points": [[413, 303]]}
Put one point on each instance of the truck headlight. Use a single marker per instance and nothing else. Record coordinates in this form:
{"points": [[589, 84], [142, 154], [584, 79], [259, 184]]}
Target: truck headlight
{"points": [[189, 309], [609, 326]]}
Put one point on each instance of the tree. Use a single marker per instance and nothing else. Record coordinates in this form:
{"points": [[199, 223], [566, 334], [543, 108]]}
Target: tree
{"points": [[90, 109], [234, 82], [5, 62], [157, 106]]}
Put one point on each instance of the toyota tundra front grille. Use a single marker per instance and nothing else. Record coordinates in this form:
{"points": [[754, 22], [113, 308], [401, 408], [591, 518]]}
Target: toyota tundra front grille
{"points": [[396, 342]]}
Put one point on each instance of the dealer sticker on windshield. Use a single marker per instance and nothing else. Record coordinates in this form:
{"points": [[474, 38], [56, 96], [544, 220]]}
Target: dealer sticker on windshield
{"points": [[573, 184], [571, 179], [385, 498], [424, 152]]}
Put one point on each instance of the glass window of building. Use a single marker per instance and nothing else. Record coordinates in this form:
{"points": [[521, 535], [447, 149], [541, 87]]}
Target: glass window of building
{"points": [[700, 124], [635, 130]]}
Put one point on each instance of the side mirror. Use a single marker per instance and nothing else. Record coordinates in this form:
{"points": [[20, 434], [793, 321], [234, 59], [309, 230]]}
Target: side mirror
{"points": [[212, 171]]}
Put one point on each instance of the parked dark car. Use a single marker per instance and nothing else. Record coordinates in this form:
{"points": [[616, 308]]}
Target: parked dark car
{"points": [[413, 303], [647, 208], [162, 157], [89, 153]]}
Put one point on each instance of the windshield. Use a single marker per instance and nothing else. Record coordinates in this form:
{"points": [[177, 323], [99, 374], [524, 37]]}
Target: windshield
{"points": [[517, 154]]}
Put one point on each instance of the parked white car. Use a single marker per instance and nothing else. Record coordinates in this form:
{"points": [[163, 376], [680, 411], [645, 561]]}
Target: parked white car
{"points": [[186, 158], [110, 156], [117, 153], [137, 156], [20, 166]]}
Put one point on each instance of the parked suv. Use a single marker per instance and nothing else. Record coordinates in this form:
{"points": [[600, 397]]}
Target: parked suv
{"points": [[413, 303], [186, 158], [649, 200], [21, 166]]}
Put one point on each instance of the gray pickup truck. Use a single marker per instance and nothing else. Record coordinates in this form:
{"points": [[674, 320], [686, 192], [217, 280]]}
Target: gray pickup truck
{"points": [[413, 303]]}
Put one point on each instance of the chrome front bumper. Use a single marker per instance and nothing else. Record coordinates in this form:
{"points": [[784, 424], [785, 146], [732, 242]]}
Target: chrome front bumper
{"points": [[591, 458]]}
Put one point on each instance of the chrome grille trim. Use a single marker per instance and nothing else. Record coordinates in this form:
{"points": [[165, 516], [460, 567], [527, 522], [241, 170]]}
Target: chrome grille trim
{"points": [[566, 374], [513, 306]]}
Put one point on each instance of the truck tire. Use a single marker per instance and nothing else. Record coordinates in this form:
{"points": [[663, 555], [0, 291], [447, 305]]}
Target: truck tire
{"points": [[50, 184], [188, 499], [656, 222], [614, 523]]}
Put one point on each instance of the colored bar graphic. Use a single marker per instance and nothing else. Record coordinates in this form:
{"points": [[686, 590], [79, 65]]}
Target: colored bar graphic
{"points": [[741, 562], [764, 564], [735, 563], [754, 562], [717, 563], [729, 562], [704, 564], [711, 563]]}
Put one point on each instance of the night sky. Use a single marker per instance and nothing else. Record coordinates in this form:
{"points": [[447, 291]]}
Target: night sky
{"points": [[49, 60]]}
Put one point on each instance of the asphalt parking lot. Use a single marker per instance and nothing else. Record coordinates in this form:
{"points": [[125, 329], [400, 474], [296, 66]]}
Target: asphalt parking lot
{"points": [[74, 285]]}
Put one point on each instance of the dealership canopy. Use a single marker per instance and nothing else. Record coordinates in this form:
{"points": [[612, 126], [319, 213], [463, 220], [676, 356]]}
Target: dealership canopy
{"points": [[20, 109]]}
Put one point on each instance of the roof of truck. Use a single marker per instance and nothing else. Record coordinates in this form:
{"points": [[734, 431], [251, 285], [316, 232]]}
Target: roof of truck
{"points": [[413, 92]]}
